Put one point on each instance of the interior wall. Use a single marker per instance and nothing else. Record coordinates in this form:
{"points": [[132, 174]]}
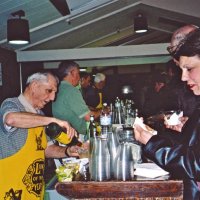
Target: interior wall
{"points": [[10, 74], [137, 77], [29, 68]]}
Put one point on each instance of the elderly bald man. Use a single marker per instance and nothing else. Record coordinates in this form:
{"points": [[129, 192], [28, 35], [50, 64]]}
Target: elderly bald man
{"points": [[23, 142]]}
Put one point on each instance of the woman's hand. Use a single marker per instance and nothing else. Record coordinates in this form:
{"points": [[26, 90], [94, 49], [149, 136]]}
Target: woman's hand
{"points": [[142, 135], [178, 127]]}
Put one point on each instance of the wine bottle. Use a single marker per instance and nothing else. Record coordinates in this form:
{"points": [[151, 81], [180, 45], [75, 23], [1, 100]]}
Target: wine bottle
{"points": [[92, 127], [56, 132]]}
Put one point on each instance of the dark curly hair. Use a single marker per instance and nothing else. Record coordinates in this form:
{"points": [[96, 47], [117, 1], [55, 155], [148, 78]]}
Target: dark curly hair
{"points": [[190, 46]]}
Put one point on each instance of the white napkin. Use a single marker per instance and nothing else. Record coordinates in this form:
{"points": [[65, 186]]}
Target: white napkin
{"points": [[149, 170], [139, 122], [174, 118]]}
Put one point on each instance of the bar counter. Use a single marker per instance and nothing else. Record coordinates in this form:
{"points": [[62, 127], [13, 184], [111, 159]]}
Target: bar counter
{"points": [[140, 190]]}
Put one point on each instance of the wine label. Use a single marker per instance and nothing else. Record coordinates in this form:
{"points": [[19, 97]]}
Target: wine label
{"points": [[63, 138]]}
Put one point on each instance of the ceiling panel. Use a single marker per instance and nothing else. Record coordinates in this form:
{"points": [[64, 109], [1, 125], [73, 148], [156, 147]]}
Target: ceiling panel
{"points": [[96, 23]]}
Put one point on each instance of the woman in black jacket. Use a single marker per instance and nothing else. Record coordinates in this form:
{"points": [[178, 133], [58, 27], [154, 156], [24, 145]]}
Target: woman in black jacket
{"points": [[182, 158]]}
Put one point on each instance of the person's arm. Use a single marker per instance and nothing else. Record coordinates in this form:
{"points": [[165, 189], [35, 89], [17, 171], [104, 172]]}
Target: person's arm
{"points": [[30, 120], [26, 120], [95, 113], [181, 160], [55, 151]]}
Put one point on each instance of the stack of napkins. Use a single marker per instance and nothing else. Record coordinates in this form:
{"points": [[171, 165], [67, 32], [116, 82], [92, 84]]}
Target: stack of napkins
{"points": [[149, 170]]}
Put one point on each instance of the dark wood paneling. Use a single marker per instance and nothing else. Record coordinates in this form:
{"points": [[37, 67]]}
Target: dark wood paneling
{"points": [[10, 74]]}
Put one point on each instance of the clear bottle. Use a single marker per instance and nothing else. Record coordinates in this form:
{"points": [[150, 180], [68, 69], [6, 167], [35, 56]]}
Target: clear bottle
{"points": [[118, 119], [105, 121], [122, 111], [112, 112]]}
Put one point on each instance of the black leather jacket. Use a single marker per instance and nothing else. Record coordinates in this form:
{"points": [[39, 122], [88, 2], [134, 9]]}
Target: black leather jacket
{"points": [[182, 158]]}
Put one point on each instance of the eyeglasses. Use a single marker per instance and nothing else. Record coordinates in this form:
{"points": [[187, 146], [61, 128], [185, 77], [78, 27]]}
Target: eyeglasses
{"points": [[174, 50]]}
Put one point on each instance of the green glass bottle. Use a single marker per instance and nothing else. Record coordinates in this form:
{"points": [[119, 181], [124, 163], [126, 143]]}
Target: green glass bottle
{"points": [[92, 127], [92, 132]]}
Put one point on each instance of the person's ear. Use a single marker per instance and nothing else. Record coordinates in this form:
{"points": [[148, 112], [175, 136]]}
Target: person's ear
{"points": [[72, 72]]}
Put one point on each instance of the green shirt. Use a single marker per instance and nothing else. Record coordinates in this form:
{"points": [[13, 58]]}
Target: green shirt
{"points": [[70, 106]]}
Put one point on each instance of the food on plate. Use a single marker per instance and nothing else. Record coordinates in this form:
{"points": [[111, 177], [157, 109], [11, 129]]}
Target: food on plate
{"points": [[68, 171]]}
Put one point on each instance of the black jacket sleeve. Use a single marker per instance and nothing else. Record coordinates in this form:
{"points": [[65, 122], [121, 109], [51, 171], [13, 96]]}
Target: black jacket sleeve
{"points": [[181, 160]]}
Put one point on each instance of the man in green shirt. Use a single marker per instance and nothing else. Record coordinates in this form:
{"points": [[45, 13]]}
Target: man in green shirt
{"points": [[69, 103]]}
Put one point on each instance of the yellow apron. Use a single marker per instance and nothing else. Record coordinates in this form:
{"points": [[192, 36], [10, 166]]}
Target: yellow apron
{"points": [[22, 174], [100, 105]]}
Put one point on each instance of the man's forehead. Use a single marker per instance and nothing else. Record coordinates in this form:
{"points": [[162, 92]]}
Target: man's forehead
{"points": [[177, 38], [77, 69], [52, 78], [52, 82]]}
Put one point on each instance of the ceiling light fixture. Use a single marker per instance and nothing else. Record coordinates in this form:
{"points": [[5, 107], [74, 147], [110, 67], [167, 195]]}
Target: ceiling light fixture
{"points": [[18, 29], [140, 23], [83, 69]]}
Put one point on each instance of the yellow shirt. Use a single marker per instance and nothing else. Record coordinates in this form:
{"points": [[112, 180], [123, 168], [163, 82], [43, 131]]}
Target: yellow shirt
{"points": [[22, 174]]}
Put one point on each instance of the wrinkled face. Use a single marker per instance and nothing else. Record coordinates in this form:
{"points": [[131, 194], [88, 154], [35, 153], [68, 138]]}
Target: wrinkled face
{"points": [[75, 73], [43, 92], [85, 82], [190, 67]]}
